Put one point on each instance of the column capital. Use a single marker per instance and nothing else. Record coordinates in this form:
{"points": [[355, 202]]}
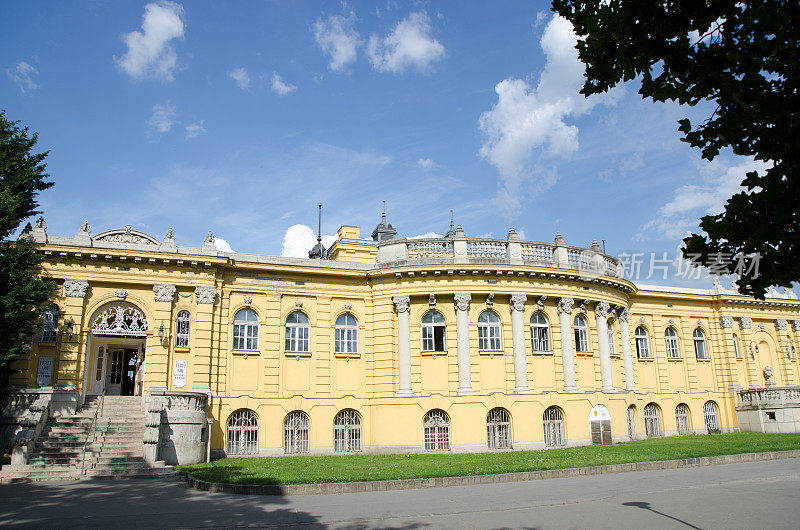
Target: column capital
{"points": [[75, 288], [726, 322], [746, 322], [781, 324], [401, 303], [565, 305], [624, 314], [164, 292], [601, 309], [462, 301], [206, 294], [796, 324], [518, 302]]}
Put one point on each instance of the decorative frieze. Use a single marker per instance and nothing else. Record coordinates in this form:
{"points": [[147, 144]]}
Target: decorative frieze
{"points": [[401, 303], [206, 294], [518, 302], [164, 292], [75, 288], [462, 301], [726, 322]]}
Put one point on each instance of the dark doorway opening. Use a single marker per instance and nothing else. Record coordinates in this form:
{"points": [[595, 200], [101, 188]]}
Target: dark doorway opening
{"points": [[129, 373]]}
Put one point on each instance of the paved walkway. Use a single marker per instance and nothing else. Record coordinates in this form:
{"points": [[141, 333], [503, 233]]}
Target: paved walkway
{"points": [[751, 495]]}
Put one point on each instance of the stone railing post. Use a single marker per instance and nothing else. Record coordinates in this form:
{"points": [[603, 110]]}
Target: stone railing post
{"points": [[518, 336], [560, 257], [391, 251], [514, 248], [567, 358], [460, 246], [402, 306], [462, 339]]}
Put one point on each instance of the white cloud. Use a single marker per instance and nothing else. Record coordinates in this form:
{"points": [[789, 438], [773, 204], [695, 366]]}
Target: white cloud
{"points": [[337, 38], [195, 129], [719, 180], [150, 53], [299, 239], [427, 235], [163, 118], [408, 45], [23, 75], [241, 77], [426, 163], [527, 119], [222, 245], [279, 86]]}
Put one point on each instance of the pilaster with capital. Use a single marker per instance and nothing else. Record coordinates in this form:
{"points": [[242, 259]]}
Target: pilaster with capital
{"points": [[601, 318], [786, 361], [517, 302], [203, 330], [69, 365], [462, 301], [567, 356], [158, 358], [402, 305], [627, 358]]}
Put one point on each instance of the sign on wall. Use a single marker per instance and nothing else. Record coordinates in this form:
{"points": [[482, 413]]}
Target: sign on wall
{"points": [[45, 372], [179, 374]]}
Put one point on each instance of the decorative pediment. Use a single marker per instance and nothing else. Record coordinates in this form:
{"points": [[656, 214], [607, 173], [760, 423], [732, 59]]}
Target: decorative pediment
{"points": [[119, 319], [126, 235]]}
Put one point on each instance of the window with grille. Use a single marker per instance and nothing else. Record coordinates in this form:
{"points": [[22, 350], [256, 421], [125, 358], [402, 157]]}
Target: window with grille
{"points": [[243, 433], [489, 331], [346, 334], [642, 343], [711, 417], [50, 323], [436, 426], [498, 429], [297, 331], [295, 433], [632, 422], [736, 351], [347, 431], [540, 333], [554, 427], [652, 420], [245, 330], [612, 344], [671, 337], [433, 332], [682, 419], [581, 334], [700, 344], [182, 329]]}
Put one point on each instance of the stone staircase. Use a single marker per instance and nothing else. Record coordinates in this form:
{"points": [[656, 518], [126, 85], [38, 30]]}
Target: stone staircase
{"points": [[115, 449]]}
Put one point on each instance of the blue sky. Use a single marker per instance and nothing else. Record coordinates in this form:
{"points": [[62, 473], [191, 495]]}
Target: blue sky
{"points": [[240, 118]]}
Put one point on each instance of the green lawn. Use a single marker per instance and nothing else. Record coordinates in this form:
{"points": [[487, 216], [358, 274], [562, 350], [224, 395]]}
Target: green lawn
{"points": [[360, 467]]}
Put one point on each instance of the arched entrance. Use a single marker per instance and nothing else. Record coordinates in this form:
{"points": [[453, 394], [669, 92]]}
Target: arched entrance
{"points": [[118, 331]]}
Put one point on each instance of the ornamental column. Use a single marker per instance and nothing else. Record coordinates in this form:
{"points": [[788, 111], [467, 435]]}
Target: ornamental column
{"points": [[601, 317], [158, 360], [402, 305], [626, 349], [462, 340], [69, 366], [518, 335], [567, 359]]}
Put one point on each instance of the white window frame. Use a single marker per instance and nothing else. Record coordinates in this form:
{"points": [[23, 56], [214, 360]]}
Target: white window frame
{"points": [[489, 332], [498, 429], [50, 317], [428, 331], [673, 348], [540, 332], [436, 430], [553, 425], [652, 420], [346, 334], [245, 330], [296, 433], [711, 417], [182, 329], [700, 348], [242, 433], [581, 333], [642, 343], [298, 330], [347, 431], [683, 420], [736, 353], [612, 343]]}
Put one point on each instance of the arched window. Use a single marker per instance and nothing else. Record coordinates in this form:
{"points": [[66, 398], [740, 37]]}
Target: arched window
{"points": [[682, 419], [540, 333], [245, 330], [736, 351], [498, 429], [642, 343], [182, 329], [243, 433], [436, 430], [652, 420], [346, 334], [554, 427], [581, 334], [295, 433], [711, 417], [297, 330], [50, 323], [347, 431], [433, 331], [673, 352], [612, 344], [489, 332], [632, 422], [700, 344]]}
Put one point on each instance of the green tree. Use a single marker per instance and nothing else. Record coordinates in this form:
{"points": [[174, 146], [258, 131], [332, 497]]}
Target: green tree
{"points": [[744, 57], [22, 293]]}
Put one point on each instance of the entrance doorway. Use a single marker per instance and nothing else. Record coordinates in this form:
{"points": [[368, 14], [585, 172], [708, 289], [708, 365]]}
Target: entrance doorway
{"points": [[121, 372]]}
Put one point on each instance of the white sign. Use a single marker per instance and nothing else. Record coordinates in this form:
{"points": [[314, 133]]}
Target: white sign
{"points": [[599, 413], [179, 374], [45, 371]]}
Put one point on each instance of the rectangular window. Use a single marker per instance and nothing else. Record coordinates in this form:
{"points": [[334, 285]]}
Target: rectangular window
{"points": [[432, 338], [539, 339], [672, 348], [296, 339], [99, 371], [489, 337], [642, 348], [581, 340]]}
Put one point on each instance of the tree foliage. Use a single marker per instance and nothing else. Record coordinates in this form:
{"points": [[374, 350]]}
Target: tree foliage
{"points": [[22, 293], [743, 56]]}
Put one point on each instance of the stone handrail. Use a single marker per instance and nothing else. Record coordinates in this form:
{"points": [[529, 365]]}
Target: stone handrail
{"points": [[774, 396]]}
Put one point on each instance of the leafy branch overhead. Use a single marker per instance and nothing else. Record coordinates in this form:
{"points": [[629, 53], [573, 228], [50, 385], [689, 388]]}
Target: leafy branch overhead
{"points": [[741, 56]]}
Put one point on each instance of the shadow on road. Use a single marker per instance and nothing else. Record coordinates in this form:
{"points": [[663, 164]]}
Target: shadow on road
{"points": [[646, 506]]}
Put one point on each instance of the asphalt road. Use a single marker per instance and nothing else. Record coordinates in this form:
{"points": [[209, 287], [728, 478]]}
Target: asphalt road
{"points": [[751, 495]]}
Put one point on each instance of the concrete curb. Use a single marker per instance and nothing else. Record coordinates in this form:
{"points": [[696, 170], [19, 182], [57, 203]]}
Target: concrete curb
{"points": [[418, 483]]}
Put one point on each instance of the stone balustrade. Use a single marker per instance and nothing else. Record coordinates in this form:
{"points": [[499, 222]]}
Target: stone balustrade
{"points": [[768, 397], [177, 426]]}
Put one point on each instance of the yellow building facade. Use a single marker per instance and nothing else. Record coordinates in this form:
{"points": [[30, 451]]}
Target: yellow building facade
{"points": [[404, 345]]}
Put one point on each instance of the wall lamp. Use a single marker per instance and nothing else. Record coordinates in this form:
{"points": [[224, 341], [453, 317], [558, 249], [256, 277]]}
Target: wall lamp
{"points": [[70, 324]]}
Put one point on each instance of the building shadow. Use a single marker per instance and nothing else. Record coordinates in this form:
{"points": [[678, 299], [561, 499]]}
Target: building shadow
{"points": [[646, 506]]}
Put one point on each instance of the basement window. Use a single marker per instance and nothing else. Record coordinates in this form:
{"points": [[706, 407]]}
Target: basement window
{"points": [[771, 416]]}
